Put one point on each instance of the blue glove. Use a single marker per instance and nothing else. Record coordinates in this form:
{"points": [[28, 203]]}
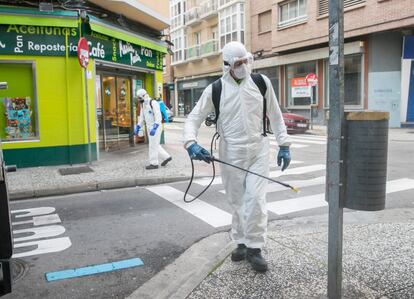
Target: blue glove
{"points": [[154, 129], [283, 155], [136, 129], [197, 152]]}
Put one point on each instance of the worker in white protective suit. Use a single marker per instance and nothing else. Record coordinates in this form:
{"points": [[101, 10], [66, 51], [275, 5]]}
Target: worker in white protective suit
{"points": [[242, 143], [151, 115]]}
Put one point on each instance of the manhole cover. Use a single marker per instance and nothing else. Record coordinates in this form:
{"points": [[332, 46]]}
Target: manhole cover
{"points": [[75, 170], [19, 269]]}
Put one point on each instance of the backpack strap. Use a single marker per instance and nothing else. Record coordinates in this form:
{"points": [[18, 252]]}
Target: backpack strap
{"points": [[261, 84], [216, 86]]}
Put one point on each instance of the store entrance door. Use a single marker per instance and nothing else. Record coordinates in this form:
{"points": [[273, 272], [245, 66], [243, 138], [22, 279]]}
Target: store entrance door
{"points": [[115, 125]]}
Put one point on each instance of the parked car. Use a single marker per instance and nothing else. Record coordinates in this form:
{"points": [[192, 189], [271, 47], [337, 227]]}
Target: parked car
{"points": [[295, 123], [170, 114]]}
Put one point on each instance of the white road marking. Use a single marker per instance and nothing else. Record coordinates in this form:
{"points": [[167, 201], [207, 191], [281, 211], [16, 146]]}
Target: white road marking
{"points": [[273, 187], [39, 232], [293, 145], [310, 137], [272, 174], [198, 208], [301, 140], [43, 246], [33, 212], [400, 185], [288, 206], [41, 220]]}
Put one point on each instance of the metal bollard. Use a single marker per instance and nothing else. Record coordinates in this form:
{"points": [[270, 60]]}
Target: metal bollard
{"points": [[366, 160]]}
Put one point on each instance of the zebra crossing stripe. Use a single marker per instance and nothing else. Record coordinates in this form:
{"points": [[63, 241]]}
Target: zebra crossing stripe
{"points": [[301, 140], [272, 174], [310, 137], [293, 145], [298, 204], [198, 208], [273, 187]]}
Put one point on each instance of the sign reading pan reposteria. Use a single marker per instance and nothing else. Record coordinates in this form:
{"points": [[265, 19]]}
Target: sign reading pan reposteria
{"points": [[55, 41]]}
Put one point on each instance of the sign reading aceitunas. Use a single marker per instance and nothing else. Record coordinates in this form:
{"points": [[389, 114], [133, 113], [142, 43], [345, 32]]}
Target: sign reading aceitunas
{"points": [[55, 41]]}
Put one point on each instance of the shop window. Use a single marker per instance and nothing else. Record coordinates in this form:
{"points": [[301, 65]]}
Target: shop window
{"points": [[299, 95], [265, 21], [18, 103], [353, 85], [292, 12]]}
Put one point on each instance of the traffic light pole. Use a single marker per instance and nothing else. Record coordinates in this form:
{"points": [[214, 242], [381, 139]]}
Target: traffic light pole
{"points": [[334, 177]]}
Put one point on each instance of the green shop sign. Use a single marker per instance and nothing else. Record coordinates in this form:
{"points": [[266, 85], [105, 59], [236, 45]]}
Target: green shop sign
{"points": [[54, 41]]}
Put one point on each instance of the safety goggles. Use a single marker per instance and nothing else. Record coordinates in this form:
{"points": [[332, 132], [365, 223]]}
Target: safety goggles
{"points": [[239, 61]]}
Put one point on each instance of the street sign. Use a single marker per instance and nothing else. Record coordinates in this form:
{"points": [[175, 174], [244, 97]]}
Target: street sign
{"points": [[312, 79], [83, 52]]}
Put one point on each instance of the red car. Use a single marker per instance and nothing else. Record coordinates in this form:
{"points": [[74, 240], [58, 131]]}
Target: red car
{"points": [[295, 123]]}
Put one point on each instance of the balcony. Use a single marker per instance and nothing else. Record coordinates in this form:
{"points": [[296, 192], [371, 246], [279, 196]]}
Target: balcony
{"points": [[208, 9], [193, 52], [209, 48], [154, 14], [192, 16]]}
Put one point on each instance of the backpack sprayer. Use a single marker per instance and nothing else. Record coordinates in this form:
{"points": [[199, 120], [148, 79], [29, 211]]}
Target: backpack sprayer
{"points": [[214, 159]]}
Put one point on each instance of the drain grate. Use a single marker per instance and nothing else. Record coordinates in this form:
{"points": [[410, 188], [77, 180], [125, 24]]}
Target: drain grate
{"points": [[75, 170]]}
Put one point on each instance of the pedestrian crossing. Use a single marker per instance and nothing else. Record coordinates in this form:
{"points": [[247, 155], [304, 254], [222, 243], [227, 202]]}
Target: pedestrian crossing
{"points": [[218, 217], [309, 178]]}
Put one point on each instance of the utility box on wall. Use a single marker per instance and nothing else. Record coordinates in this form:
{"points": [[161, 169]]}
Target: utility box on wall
{"points": [[366, 143]]}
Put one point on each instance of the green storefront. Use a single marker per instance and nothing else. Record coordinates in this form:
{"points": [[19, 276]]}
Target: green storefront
{"points": [[43, 119]]}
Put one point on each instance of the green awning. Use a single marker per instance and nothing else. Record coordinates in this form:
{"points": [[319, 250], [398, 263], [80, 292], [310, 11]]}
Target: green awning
{"points": [[121, 34], [18, 16]]}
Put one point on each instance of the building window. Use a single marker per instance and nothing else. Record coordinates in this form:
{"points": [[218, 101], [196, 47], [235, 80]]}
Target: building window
{"points": [[232, 24], [18, 103], [197, 38], [353, 89], [179, 41], [265, 21], [292, 12], [323, 8], [299, 95], [225, 2]]}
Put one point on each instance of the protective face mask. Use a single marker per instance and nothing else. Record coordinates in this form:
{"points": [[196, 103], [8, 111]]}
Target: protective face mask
{"points": [[241, 72], [141, 100]]}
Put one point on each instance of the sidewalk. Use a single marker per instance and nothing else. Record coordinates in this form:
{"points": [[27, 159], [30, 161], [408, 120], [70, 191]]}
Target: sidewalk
{"points": [[378, 262], [117, 169]]}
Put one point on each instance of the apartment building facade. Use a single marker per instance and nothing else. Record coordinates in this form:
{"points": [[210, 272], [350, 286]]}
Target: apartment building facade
{"points": [[289, 39], [199, 29]]}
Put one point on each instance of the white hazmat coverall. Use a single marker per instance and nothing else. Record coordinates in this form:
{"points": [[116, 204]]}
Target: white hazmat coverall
{"points": [[150, 116], [240, 126]]}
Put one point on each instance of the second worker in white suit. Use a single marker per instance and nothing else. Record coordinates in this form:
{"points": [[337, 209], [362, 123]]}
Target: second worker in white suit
{"points": [[240, 125], [151, 115]]}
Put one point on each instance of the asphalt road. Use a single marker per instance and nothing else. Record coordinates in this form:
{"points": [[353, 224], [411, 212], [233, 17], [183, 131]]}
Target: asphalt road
{"points": [[152, 224]]}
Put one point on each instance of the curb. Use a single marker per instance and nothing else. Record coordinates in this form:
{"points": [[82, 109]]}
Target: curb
{"points": [[181, 277], [95, 186]]}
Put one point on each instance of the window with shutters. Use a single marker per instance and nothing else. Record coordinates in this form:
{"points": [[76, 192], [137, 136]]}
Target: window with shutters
{"points": [[291, 12], [265, 21], [324, 8]]}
